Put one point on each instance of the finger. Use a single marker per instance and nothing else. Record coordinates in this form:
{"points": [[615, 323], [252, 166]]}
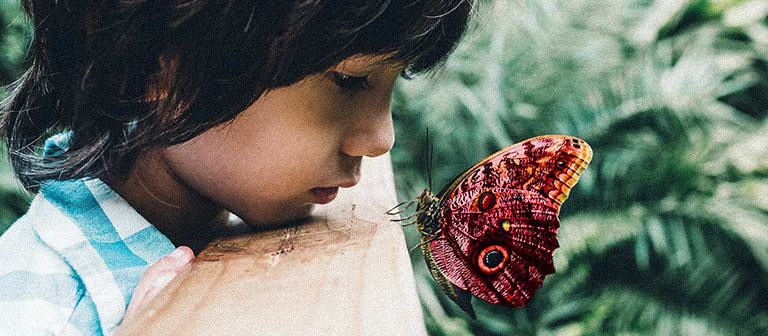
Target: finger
{"points": [[156, 277], [160, 275], [175, 261]]}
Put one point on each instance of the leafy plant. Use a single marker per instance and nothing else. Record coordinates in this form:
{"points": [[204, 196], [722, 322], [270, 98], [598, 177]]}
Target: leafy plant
{"points": [[14, 39], [665, 233]]}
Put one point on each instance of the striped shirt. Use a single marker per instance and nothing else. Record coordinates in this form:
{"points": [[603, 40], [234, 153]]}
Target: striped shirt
{"points": [[70, 264]]}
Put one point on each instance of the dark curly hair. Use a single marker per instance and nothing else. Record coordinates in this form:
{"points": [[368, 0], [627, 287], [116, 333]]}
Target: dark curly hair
{"points": [[128, 75]]}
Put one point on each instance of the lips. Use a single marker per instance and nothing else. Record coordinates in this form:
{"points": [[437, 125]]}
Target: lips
{"points": [[324, 195]]}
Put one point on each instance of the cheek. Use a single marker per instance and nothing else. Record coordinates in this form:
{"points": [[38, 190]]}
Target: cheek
{"points": [[236, 164], [260, 194], [263, 163], [269, 189], [229, 170]]}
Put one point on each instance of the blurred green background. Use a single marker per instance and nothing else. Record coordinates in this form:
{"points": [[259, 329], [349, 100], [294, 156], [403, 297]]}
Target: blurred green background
{"points": [[667, 231], [15, 33]]}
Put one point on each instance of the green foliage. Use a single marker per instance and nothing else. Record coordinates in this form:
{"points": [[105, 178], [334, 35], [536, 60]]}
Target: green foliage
{"points": [[667, 231], [15, 33]]}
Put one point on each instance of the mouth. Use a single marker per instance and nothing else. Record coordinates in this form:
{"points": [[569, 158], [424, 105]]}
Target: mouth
{"points": [[324, 195]]}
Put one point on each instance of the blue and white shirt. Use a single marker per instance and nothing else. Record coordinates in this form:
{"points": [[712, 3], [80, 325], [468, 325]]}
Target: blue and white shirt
{"points": [[70, 264]]}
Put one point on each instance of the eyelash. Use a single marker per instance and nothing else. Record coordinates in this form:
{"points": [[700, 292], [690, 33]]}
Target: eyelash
{"points": [[350, 83]]}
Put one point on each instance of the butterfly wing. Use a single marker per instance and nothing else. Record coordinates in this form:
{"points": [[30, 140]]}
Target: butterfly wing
{"points": [[462, 298], [499, 218]]}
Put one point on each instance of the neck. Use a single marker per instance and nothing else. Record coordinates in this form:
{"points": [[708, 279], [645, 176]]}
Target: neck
{"points": [[178, 211]]}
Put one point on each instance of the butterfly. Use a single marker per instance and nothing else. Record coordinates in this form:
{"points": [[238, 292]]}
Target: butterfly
{"points": [[491, 232]]}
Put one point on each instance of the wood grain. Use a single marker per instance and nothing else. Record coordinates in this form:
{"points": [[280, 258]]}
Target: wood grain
{"points": [[346, 271]]}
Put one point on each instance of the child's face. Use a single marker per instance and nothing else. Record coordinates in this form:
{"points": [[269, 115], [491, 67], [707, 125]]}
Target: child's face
{"points": [[263, 165]]}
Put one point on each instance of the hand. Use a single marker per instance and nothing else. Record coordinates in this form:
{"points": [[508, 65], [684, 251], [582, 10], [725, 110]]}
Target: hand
{"points": [[156, 278]]}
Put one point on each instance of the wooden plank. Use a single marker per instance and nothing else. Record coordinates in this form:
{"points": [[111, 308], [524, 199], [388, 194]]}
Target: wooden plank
{"points": [[344, 272]]}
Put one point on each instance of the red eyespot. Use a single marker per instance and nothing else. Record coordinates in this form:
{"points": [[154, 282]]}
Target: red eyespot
{"points": [[486, 201], [492, 259]]}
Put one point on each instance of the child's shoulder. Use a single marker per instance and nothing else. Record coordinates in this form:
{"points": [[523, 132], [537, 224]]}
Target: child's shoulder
{"points": [[40, 291], [21, 249], [80, 249]]}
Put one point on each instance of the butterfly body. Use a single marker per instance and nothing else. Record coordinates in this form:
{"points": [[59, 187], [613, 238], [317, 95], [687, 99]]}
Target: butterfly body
{"points": [[491, 232]]}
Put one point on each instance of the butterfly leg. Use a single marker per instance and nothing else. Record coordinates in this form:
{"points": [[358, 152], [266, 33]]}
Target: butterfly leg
{"points": [[390, 211], [432, 237], [406, 224], [409, 216]]}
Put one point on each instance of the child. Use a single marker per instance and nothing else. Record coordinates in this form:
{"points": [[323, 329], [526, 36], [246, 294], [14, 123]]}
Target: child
{"points": [[158, 118]]}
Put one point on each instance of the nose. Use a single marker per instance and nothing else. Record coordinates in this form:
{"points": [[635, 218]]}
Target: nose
{"points": [[370, 134]]}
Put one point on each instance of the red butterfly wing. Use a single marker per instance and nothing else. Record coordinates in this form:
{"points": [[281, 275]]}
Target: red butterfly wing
{"points": [[499, 218]]}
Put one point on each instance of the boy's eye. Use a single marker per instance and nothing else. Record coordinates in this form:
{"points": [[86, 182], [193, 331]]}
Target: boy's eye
{"points": [[349, 83]]}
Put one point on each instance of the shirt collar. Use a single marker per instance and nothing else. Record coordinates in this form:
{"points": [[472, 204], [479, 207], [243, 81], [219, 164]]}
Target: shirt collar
{"points": [[106, 242]]}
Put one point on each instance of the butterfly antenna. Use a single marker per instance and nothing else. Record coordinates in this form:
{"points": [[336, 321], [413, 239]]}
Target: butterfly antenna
{"points": [[431, 156], [429, 161]]}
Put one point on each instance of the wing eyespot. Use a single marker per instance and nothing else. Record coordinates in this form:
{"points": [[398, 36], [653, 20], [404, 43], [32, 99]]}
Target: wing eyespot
{"points": [[492, 259], [505, 224], [486, 201]]}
